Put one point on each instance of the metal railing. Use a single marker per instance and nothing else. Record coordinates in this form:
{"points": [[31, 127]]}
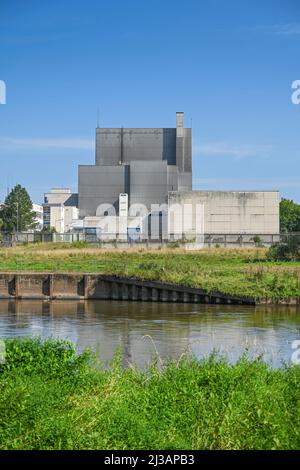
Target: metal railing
{"points": [[206, 240]]}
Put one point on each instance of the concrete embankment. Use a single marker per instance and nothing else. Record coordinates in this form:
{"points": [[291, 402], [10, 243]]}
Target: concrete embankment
{"points": [[48, 286]]}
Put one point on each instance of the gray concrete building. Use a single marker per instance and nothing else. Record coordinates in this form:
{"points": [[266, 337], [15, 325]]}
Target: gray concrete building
{"points": [[144, 163], [153, 167]]}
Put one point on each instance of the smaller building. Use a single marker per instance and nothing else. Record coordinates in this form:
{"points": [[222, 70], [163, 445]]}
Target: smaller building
{"points": [[60, 209], [223, 212], [38, 209]]}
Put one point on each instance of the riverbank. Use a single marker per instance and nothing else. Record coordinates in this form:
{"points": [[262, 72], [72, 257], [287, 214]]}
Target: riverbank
{"points": [[243, 272], [52, 398]]}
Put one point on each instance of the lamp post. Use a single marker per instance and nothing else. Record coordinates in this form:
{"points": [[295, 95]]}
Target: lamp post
{"points": [[61, 231]]}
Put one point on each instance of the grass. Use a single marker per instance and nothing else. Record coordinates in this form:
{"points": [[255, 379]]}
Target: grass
{"points": [[231, 271], [53, 398]]}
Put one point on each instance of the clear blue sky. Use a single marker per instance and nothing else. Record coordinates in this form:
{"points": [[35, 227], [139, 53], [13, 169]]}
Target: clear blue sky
{"points": [[228, 65]]}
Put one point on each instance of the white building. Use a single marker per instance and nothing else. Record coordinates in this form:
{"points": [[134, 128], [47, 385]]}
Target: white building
{"points": [[38, 209], [60, 209]]}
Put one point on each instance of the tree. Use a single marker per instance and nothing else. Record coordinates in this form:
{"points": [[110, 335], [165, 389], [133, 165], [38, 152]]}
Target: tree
{"points": [[289, 216], [287, 250], [16, 213], [48, 229]]}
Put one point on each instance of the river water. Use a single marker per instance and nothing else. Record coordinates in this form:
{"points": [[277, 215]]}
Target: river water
{"points": [[143, 330]]}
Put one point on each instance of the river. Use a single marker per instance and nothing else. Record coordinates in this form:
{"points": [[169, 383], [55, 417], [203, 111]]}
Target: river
{"points": [[143, 329]]}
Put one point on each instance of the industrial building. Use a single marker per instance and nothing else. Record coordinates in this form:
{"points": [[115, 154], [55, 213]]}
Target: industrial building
{"points": [[152, 169], [140, 187], [144, 163]]}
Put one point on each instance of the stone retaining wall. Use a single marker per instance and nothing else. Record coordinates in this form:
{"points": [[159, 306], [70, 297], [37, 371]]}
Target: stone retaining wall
{"points": [[96, 286]]}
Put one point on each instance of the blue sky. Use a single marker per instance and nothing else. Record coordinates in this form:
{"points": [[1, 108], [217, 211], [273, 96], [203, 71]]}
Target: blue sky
{"points": [[228, 65]]}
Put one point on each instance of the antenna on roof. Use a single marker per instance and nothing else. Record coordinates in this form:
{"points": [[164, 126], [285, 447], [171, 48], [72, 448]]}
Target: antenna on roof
{"points": [[98, 116]]}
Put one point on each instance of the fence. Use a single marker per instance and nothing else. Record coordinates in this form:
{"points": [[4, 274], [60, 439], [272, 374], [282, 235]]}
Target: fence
{"points": [[207, 240]]}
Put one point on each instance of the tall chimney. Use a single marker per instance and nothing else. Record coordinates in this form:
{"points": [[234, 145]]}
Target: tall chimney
{"points": [[179, 141], [179, 123]]}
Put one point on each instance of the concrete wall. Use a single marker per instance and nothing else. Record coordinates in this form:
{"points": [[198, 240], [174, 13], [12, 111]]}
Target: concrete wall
{"points": [[70, 214], [172, 172], [94, 286], [125, 145], [57, 196], [184, 181], [57, 218], [187, 157], [148, 183], [231, 211], [100, 185]]}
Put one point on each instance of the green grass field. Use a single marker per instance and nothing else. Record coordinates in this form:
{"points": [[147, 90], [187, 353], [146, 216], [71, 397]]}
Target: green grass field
{"points": [[52, 398], [230, 271]]}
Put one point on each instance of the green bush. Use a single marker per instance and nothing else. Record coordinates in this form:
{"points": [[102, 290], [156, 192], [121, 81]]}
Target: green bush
{"points": [[257, 241], [174, 244], [289, 216], [53, 358], [287, 250]]}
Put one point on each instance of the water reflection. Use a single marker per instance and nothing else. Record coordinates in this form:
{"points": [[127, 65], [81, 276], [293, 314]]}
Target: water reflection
{"points": [[141, 328]]}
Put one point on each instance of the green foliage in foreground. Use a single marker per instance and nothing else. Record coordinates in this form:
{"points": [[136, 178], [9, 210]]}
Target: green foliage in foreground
{"points": [[52, 398]]}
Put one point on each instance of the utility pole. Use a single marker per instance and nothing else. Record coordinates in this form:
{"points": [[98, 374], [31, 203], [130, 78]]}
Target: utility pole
{"points": [[17, 204], [17, 217]]}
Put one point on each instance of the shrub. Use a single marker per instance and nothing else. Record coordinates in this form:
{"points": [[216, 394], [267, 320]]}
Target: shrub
{"points": [[173, 244], [287, 250], [289, 216], [257, 240], [52, 357]]}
